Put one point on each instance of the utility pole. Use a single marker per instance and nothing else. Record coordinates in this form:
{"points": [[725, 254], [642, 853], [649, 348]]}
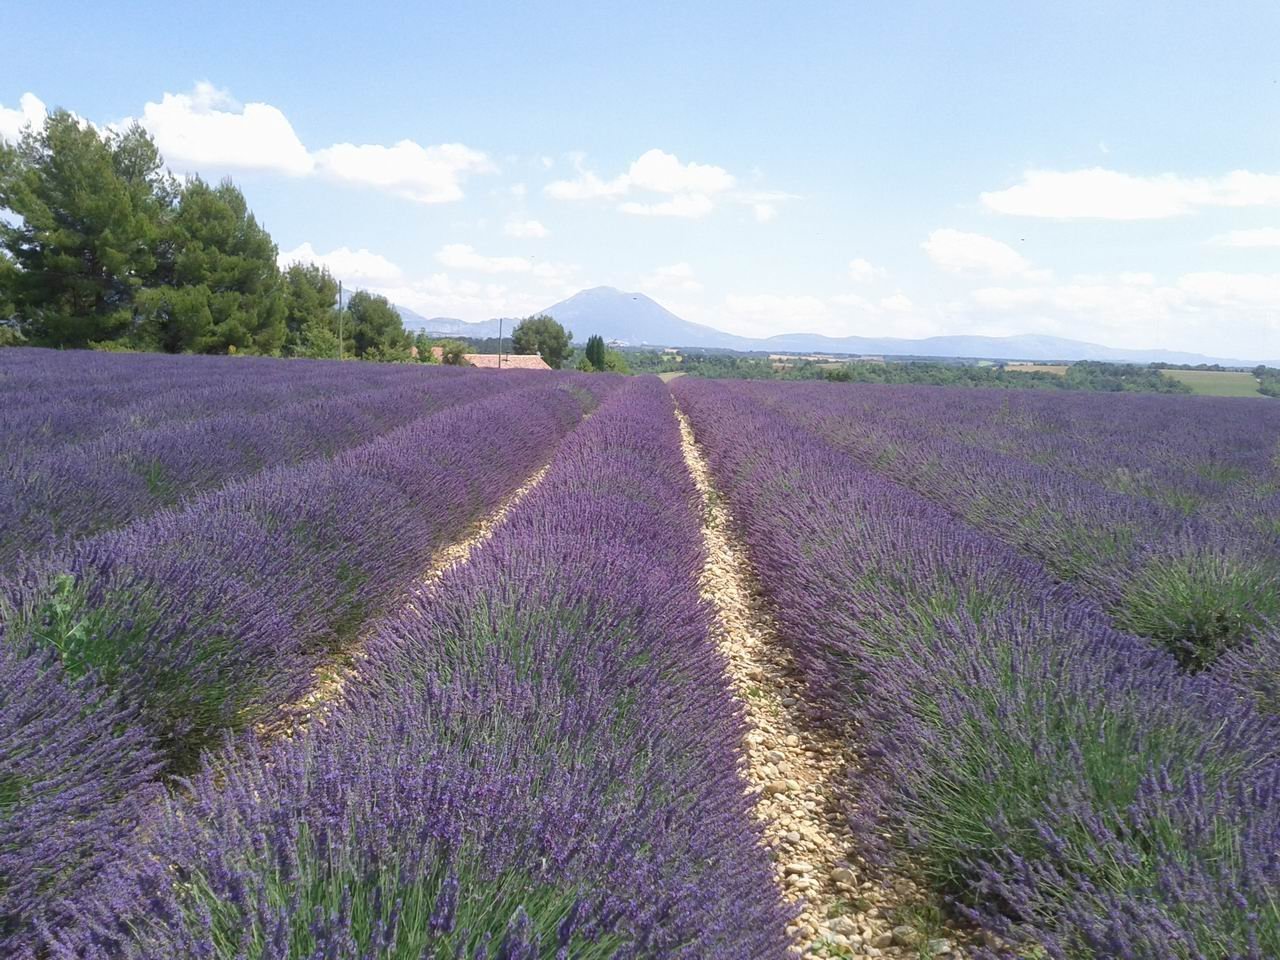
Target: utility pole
{"points": [[339, 319], [499, 343]]}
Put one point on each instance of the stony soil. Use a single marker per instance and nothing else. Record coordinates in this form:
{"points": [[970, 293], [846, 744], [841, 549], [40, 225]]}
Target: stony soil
{"points": [[331, 677], [793, 766]]}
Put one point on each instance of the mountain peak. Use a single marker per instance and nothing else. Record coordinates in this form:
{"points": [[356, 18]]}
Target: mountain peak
{"points": [[634, 319]]}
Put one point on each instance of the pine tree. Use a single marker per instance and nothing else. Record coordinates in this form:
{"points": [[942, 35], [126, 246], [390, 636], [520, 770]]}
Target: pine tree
{"points": [[88, 213], [224, 287], [310, 296]]}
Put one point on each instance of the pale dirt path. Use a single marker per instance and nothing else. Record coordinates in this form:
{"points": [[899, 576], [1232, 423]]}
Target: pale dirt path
{"points": [[793, 766], [331, 677]]}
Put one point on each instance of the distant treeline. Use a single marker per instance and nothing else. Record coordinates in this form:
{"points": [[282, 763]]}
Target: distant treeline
{"points": [[1268, 381], [1084, 375], [101, 247]]}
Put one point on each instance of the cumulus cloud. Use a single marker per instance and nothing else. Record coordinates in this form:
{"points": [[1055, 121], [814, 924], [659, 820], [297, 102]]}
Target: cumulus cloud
{"points": [[676, 277], [664, 173], [462, 256], [1257, 237], [1193, 311], [972, 253], [1239, 290], [864, 271], [29, 112], [688, 190], [355, 266], [525, 229], [841, 315], [423, 174], [441, 295], [1102, 194], [691, 205], [208, 129], [586, 186]]}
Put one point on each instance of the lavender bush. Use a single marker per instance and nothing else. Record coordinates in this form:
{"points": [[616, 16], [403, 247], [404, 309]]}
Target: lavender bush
{"points": [[51, 398], [80, 489], [1024, 755], [539, 760], [1203, 579], [128, 653], [208, 616], [75, 769]]}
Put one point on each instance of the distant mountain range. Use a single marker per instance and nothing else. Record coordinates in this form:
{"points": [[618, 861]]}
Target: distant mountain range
{"points": [[636, 320]]}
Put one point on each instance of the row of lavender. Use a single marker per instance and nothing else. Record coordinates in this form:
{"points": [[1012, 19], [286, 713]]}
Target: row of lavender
{"points": [[51, 398], [1069, 785], [1206, 584], [129, 652], [73, 490], [1190, 453], [539, 759]]}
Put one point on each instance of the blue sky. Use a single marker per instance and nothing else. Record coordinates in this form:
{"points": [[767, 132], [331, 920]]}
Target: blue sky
{"points": [[1107, 171]]}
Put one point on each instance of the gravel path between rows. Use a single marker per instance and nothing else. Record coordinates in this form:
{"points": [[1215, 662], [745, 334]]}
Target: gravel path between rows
{"points": [[330, 678], [793, 766]]}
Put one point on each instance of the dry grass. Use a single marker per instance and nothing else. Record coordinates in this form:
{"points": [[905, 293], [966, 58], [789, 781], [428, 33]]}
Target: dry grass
{"points": [[1057, 369], [1217, 383]]}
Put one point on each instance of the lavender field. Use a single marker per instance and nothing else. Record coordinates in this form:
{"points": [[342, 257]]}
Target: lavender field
{"points": [[307, 659]]}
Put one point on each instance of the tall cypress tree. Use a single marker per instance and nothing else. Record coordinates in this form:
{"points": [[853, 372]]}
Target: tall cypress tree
{"points": [[595, 351]]}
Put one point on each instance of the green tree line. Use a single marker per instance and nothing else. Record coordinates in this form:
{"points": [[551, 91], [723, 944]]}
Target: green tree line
{"points": [[1083, 375], [101, 247]]}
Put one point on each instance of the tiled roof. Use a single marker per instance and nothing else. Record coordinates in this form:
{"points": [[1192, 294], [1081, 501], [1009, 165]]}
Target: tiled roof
{"points": [[510, 361]]}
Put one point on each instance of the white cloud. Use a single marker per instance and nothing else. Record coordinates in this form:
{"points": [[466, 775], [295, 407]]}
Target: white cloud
{"points": [[442, 295], [689, 205], [462, 256], [1102, 194], [968, 253], [1239, 290], [864, 271], [207, 128], [555, 274], [587, 186], [689, 188], [1258, 237], [526, 229], [764, 204], [842, 315], [776, 313], [30, 111], [1220, 314], [423, 174], [673, 277], [664, 173], [359, 266]]}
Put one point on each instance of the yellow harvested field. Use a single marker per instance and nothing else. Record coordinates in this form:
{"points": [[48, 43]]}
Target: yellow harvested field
{"points": [[1056, 368]]}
